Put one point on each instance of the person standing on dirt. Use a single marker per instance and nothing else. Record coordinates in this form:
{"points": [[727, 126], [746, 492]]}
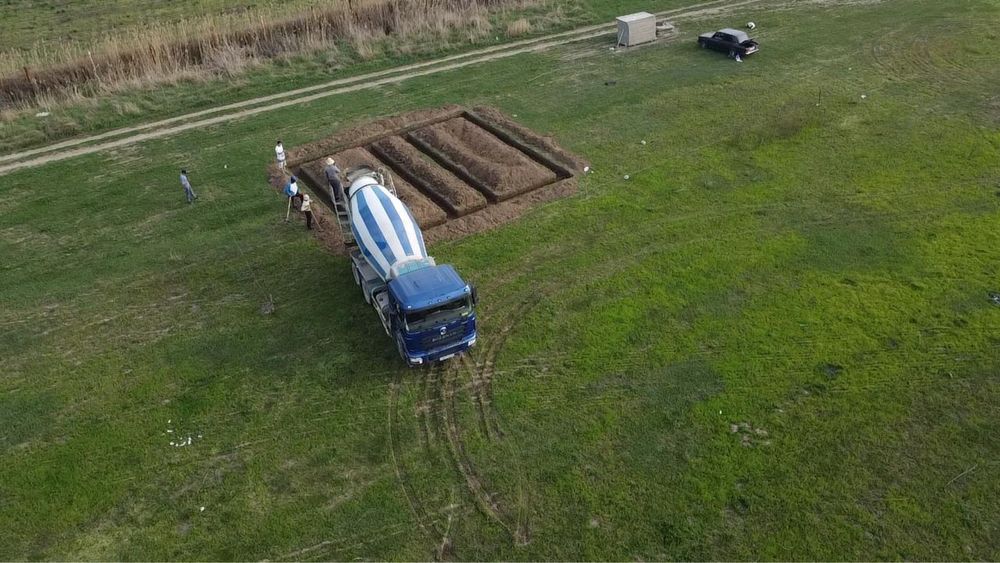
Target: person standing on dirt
{"points": [[306, 208], [279, 153], [291, 192], [188, 191], [333, 179]]}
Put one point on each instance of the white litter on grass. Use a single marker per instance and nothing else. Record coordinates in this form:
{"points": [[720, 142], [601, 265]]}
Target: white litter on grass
{"points": [[642, 142], [225, 166], [586, 169], [169, 431], [202, 509], [42, 114], [864, 96], [626, 176]]}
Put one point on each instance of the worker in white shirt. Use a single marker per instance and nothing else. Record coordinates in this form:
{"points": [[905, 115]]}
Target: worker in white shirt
{"points": [[279, 153], [306, 208]]}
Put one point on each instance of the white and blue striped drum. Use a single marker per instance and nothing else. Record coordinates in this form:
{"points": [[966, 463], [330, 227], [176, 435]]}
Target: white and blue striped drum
{"points": [[383, 227]]}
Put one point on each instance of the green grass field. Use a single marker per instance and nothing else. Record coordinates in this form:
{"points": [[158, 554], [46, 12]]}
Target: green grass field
{"points": [[804, 253]]}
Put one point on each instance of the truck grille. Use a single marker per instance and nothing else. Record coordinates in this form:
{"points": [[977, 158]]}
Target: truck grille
{"points": [[439, 340]]}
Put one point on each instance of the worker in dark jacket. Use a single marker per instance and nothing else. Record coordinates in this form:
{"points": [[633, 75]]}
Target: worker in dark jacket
{"points": [[333, 179]]}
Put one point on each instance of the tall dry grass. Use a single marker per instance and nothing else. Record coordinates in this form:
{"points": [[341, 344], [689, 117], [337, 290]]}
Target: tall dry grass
{"points": [[229, 44]]}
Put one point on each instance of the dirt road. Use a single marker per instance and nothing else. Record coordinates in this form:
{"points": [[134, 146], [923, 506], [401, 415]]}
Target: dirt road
{"points": [[229, 112]]}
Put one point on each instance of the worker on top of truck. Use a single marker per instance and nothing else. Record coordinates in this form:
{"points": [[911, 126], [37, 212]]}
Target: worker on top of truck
{"points": [[332, 173]]}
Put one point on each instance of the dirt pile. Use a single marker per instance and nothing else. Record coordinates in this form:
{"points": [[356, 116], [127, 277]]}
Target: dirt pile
{"points": [[459, 171], [500, 169], [442, 186], [425, 211]]}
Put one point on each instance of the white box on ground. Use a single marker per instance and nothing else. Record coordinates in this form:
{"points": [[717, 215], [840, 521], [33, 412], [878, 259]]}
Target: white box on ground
{"points": [[635, 29]]}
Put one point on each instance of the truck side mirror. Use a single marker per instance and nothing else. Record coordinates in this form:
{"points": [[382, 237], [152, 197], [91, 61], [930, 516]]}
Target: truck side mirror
{"points": [[475, 296]]}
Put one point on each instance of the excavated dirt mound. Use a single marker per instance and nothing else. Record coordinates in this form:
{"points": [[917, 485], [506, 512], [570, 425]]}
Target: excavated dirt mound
{"points": [[459, 171], [442, 186], [425, 211], [498, 168]]}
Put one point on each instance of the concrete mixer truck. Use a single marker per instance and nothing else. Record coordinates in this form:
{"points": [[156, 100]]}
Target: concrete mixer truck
{"points": [[426, 308]]}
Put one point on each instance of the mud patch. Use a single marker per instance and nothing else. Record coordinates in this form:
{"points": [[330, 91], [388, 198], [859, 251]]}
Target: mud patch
{"points": [[460, 171]]}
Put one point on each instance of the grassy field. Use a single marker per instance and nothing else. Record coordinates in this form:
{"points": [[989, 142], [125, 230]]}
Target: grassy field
{"points": [[95, 109], [774, 341]]}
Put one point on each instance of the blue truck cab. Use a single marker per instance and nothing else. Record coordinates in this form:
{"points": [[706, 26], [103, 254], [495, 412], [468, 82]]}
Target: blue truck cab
{"points": [[436, 315], [428, 309]]}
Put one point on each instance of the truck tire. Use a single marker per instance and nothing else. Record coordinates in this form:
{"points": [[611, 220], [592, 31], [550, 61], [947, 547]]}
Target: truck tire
{"points": [[402, 352], [732, 53], [703, 44]]}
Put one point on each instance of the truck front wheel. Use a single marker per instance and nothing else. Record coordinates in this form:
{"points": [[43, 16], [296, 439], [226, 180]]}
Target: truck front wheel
{"points": [[402, 351], [703, 44]]}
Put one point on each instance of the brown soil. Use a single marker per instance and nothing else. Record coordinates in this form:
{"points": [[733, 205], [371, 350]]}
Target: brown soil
{"points": [[500, 213], [428, 183], [369, 132], [325, 224], [501, 169], [424, 210], [439, 184], [543, 144]]}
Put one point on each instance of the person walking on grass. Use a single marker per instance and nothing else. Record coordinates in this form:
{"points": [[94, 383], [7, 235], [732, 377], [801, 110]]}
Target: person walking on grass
{"points": [[279, 153], [333, 179], [188, 191], [306, 208]]}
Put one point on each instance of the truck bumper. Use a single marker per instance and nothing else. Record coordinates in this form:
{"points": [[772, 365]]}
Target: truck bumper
{"points": [[443, 353]]}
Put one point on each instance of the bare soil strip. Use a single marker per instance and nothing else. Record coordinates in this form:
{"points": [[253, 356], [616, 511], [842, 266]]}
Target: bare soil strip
{"points": [[362, 82], [447, 190], [447, 199], [424, 210], [497, 166]]}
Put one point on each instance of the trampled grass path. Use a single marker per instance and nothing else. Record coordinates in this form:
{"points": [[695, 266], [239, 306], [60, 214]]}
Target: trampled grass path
{"points": [[162, 128]]}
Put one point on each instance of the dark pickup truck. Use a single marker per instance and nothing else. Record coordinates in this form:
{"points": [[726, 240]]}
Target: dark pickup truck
{"points": [[731, 41]]}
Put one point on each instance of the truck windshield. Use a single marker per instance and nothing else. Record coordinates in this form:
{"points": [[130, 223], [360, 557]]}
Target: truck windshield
{"points": [[443, 313]]}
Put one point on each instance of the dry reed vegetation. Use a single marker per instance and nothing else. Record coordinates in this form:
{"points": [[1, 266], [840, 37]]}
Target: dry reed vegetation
{"points": [[227, 44], [517, 27]]}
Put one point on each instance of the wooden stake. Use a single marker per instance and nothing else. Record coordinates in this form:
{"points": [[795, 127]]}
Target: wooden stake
{"points": [[289, 210]]}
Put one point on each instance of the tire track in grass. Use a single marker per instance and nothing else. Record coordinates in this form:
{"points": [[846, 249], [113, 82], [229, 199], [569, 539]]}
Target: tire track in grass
{"points": [[486, 500], [424, 521]]}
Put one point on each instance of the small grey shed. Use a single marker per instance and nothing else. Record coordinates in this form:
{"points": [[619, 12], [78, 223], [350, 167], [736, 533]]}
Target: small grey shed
{"points": [[636, 28]]}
